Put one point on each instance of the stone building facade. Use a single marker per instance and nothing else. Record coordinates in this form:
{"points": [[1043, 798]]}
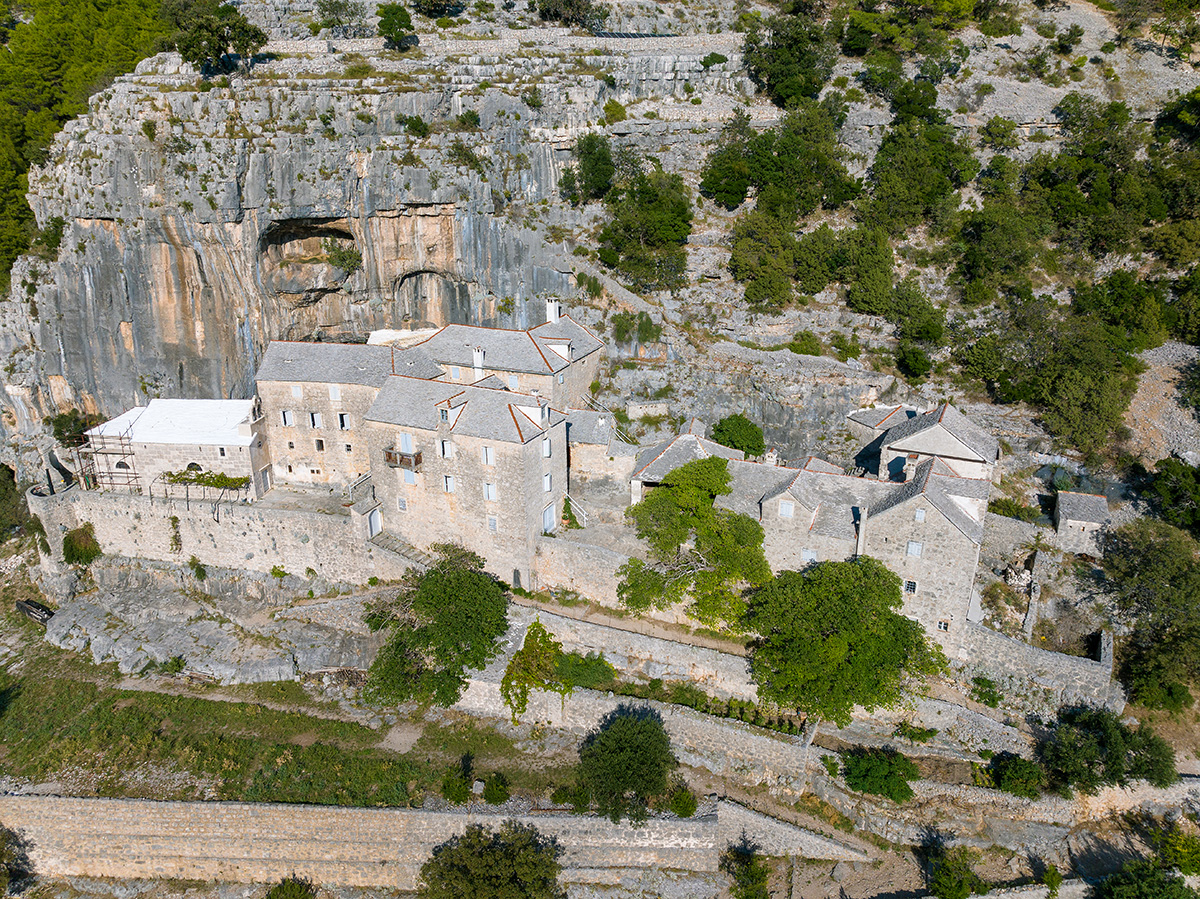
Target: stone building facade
{"points": [[943, 433], [481, 466], [1079, 521], [132, 452]]}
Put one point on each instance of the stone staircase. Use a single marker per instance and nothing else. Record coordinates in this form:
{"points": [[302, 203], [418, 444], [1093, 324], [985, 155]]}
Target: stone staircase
{"points": [[389, 542]]}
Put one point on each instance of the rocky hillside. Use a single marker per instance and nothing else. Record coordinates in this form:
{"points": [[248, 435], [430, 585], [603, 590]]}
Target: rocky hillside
{"points": [[202, 219]]}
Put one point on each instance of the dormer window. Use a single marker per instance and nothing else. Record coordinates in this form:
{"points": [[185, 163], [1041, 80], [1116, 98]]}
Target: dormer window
{"points": [[445, 414]]}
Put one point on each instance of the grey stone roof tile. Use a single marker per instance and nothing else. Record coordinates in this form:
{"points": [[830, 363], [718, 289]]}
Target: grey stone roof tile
{"points": [[957, 424], [341, 363], [1082, 507], [660, 460]]}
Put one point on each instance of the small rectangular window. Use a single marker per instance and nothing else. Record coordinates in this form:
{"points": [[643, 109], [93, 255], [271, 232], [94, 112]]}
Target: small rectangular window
{"points": [[455, 373], [297, 391], [910, 586], [320, 446], [493, 524], [448, 483], [943, 625], [335, 392], [344, 421], [291, 444], [402, 504], [914, 549], [410, 477], [512, 382], [446, 449], [561, 379], [808, 555], [288, 421], [546, 448], [489, 492], [221, 450], [547, 483], [314, 419], [314, 471], [406, 443], [289, 469], [349, 448], [489, 456], [786, 508], [445, 414], [919, 515]]}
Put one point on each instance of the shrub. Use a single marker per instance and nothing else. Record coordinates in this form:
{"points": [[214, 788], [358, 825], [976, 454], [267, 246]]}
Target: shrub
{"points": [[953, 877], [495, 789], [714, 59], [414, 125], [348, 259], [591, 672], [624, 763], [467, 120], [173, 666], [456, 788], [13, 511], [746, 869], [198, 570], [683, 802], [984, 690], [1010, 508], [1018, 776], [1091, 748], [882, 772], [912, 360], [278, 572], [292, 888], [806, 343], [909, 731], [614, 112], [1180, 849], [80, 546], [514, 861], [1053, 879]]}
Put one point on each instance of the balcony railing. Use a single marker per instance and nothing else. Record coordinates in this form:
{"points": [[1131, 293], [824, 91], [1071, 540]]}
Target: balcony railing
{"points": [[397, 459]]}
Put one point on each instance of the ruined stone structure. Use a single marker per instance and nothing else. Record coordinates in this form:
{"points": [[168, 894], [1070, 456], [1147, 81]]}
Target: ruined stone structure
{"points": [[1079, 521]]}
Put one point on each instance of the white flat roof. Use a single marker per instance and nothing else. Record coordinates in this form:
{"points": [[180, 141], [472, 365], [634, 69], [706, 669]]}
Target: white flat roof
{"points": [[198, 422]]}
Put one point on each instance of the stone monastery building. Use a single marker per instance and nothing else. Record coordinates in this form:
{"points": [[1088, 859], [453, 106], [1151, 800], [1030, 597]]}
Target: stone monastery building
{"points": [[478, 435]]}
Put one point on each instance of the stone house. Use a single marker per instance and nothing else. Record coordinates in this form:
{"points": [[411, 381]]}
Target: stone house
{"points": [[557, 360], [479, 465], [315, 398], [658, 461], [1079, 521], [943, 433], [133, 451]]}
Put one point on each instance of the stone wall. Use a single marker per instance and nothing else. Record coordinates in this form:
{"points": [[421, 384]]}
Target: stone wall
{"points": [[229, 535], [1018, 667], [568, 562]]}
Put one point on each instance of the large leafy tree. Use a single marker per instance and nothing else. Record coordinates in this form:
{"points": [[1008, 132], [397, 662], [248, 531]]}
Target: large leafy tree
{"points": [[514, 862], [441, 623], [831, 637], [651, 220], [1152, 571], [789, 57], [395, 25], [695, 549], [625, 762], [1091, 748], [214, 34], [740, 433]]}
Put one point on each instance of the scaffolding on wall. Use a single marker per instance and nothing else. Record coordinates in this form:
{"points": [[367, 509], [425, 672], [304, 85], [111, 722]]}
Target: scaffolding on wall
{"points": [[108, 463]]}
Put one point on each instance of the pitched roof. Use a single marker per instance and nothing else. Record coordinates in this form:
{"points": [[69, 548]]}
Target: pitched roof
{"points": [[183, 422], [955, 423], [546, 349], [1082, 507], [476, 411], [342, 363], [657, 462], [595, 428], [950, 495], [882, 417]]}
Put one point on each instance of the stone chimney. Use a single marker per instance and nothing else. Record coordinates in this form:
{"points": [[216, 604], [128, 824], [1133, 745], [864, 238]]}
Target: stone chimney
{"points": [[477, 361], [910, 466], [553, 310]]}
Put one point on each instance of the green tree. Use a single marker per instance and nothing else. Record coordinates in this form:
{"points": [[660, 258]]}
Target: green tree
{"points": [[740, 433], [593, 153], [583, 13], [395, 25], [341, 14], [651, 220], [514, 862], [788, 56], [831, 637], [762, 255], [695, 549], [1091, 748], [1016, 775], [441, 623], [435, 9], [1153, 575], [952, 875], [746, 869], [883, 772], [1175, 491], [1142, 880], [215, 34], [625, 762], [535, 666]]}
